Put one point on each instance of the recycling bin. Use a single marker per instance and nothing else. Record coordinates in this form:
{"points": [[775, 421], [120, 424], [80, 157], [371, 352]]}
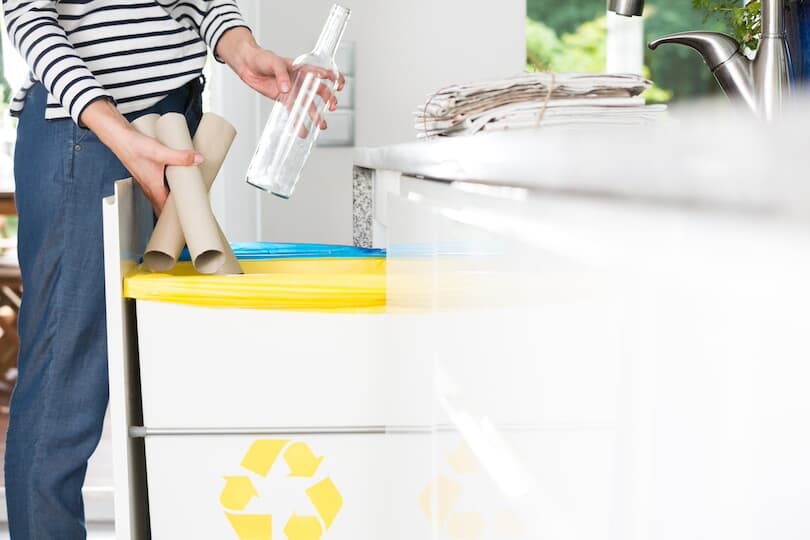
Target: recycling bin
{"points": [[282, 403], [261, 394]]}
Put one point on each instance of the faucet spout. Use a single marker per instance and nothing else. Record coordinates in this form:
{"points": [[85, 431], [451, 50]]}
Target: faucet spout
{"points": [[722, 55], [628, 8]]}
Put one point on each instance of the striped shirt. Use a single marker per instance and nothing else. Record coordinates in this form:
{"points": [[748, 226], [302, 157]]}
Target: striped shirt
{"points": [[132, 52]]}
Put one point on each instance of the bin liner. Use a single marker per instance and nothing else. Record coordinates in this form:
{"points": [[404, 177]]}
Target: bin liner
{"points": [[346, 285], [262, 251]]}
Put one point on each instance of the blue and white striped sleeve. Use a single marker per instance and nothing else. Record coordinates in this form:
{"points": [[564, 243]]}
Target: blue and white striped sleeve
{"points": [[34, 29], [212, 18]]}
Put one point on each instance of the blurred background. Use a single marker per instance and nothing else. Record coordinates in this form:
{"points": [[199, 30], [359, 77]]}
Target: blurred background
{"points": [[10, 284], [572, 36]]}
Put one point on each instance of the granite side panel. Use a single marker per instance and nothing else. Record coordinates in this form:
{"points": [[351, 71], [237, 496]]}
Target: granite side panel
{"points": [[363, 211]]}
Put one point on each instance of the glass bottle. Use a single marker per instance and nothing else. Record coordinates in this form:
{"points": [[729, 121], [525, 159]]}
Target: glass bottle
{"points": [[295, 120]]}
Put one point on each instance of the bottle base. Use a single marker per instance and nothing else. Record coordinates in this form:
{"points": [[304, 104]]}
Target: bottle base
{"points": [[257, 186], [268, 190]]}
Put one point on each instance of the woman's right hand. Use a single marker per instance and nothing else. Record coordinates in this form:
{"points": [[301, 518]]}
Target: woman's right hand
{"points": [[144, 157]]}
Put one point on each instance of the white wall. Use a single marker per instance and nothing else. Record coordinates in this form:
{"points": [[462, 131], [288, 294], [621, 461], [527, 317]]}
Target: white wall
{"points": [[405, 50]]}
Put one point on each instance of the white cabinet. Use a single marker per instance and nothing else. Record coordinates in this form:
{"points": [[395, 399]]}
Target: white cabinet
{"points": [[621, 369]]}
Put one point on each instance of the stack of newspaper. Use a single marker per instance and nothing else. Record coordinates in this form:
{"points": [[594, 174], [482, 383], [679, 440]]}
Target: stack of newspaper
{"points": [[537, 100]]}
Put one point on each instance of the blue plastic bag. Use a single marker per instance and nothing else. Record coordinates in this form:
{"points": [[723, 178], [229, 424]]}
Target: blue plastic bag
{"points": [[264, 251]]}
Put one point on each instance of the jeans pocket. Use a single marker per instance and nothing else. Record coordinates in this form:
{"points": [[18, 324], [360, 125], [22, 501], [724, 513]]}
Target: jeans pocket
{"points": [[81, 134]]}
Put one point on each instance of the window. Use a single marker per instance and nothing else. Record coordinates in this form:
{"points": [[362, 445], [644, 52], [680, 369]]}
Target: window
{"points": [[574, 36]]}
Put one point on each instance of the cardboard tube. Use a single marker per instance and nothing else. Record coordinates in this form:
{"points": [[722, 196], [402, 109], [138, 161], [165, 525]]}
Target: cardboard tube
{"points": [[213, 139], [204, 239], [164, 247], [147, 125]]}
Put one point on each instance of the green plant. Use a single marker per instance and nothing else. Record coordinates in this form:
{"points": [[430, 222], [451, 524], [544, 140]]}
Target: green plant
{"points": [[745, 21], [542, 45], [580, 51]]}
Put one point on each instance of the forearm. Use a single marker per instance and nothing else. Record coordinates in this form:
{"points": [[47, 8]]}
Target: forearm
{"points": [[109, 125]]}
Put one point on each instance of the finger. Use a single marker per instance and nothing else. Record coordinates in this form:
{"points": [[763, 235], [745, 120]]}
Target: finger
{"points": [[316, 117], [322, 73], [303, 123], [157, 193], [341, 82], [275, 73], [182, 158], [328, 97]]}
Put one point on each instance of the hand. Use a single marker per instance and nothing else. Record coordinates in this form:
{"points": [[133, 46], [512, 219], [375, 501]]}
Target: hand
{"points": [[264, 71], [144, 157]]}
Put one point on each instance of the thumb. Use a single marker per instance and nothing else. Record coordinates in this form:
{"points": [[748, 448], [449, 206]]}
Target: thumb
{"points": [[282, 73], [267, 63], [182, 158]]}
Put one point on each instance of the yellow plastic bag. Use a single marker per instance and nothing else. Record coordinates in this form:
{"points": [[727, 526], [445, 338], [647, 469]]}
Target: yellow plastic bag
{"points": [[320, 285]]}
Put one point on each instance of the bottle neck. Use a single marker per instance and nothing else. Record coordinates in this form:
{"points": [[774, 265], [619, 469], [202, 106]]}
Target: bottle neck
{"points": [[333, 31]]}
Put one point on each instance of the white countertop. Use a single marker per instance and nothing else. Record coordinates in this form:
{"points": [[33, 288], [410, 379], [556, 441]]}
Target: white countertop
{"points": [[703, 155]]}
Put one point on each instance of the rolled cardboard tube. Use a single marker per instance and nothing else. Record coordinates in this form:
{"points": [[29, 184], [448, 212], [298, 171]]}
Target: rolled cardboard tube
{"points": [[231, 265], [147, 125], [213, 139], [203, 236], [163, 248]]}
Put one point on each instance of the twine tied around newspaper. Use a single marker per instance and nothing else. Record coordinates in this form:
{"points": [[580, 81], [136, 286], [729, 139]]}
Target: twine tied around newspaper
{"points": [[540, 114]]}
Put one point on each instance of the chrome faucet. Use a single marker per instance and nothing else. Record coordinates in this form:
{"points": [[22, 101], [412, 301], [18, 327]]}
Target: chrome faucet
{"points": [[763, 83], [628, 8]]}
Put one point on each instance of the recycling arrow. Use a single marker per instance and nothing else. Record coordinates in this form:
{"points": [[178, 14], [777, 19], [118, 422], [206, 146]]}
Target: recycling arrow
{"points": [[238, 492], [303, 528], [463, 461], [326, 499], [441, 495], [262, 455], [466, 525], [260, 458], [251, 527], [301, 460]]}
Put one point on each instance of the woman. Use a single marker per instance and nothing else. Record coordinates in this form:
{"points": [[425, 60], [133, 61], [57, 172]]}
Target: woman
{"points": [[96, 65]]}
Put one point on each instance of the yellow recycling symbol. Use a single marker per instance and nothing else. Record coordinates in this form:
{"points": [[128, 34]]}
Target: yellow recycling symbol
{"points": [[260, 458], [439, 500]]}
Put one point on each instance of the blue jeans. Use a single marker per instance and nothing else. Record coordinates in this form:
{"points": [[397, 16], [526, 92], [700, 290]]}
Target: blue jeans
{"points": [[57, 410]]}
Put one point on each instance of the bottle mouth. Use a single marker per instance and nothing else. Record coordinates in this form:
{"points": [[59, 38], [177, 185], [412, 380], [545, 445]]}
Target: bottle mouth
{"points": [[337, 9]]}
